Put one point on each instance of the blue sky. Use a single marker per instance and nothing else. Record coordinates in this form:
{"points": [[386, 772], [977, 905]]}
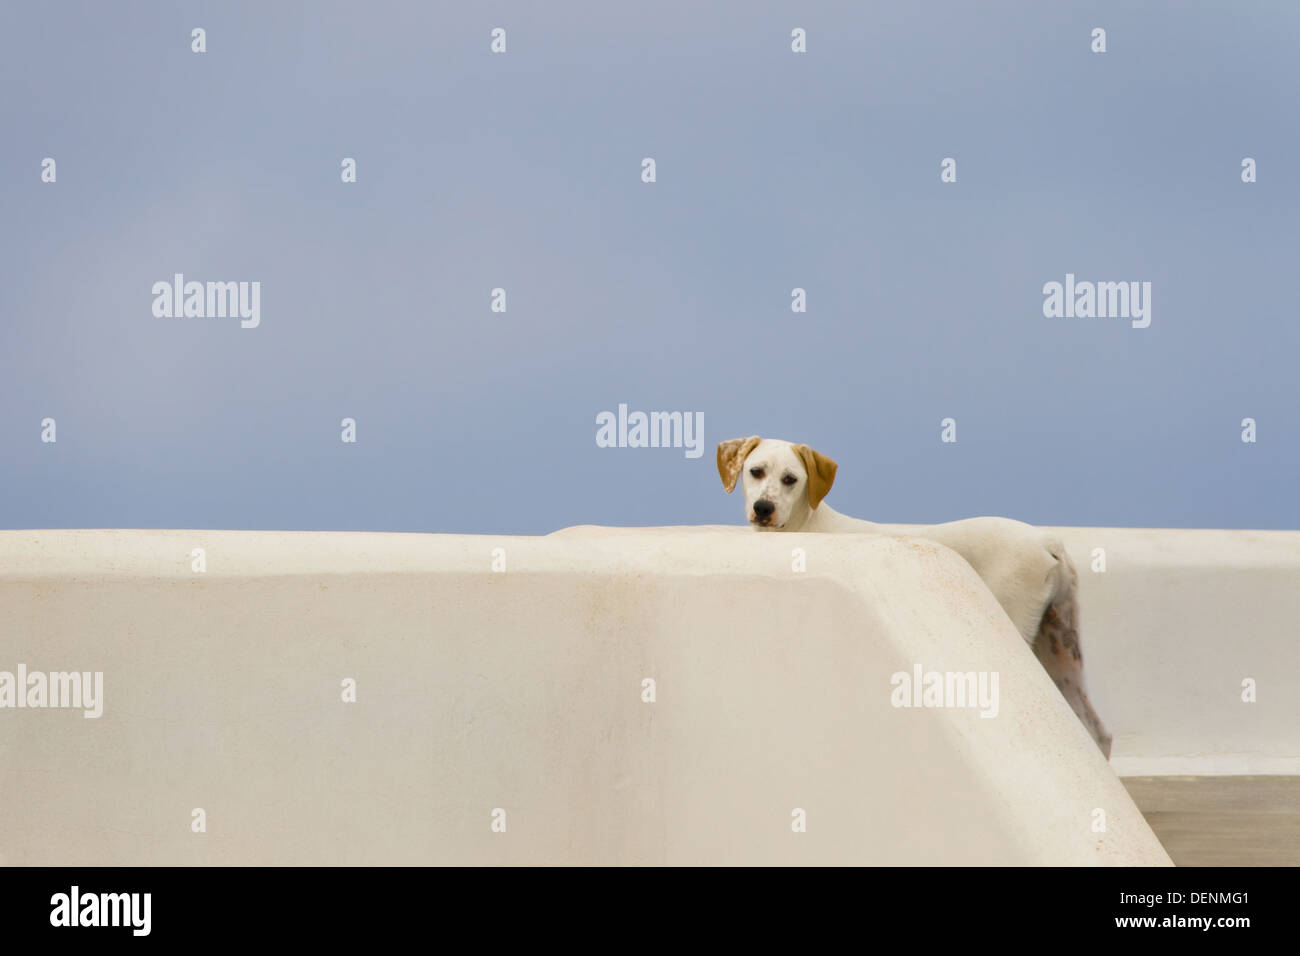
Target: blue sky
{"points": [[522, 171]]}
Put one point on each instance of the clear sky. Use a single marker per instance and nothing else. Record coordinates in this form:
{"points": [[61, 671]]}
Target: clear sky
{"points": [[523, 171]]}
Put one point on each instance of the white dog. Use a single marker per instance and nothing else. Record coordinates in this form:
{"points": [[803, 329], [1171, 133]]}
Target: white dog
{"points": [[1027, 570]]}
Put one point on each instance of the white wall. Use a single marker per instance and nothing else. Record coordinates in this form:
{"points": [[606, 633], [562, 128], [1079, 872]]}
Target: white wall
{"points": [[1172, 628], [522, 690]]}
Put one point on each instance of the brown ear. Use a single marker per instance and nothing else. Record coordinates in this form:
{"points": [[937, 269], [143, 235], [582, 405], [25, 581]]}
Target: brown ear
{"points": [[731, 458], [821, 473]]}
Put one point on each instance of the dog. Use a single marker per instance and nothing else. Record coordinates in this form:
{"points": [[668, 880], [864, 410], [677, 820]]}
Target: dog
{"points": [[1027, 569]]}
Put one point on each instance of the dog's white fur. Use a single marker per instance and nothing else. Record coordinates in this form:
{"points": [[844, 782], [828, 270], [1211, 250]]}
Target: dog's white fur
{"points": [[1027, 570]]}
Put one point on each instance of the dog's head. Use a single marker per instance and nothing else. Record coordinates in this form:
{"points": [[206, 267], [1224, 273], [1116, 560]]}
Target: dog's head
{"points": [[783, 482]]}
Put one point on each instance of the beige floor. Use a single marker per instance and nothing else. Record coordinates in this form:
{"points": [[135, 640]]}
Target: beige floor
{"points": [[1223, 821]]}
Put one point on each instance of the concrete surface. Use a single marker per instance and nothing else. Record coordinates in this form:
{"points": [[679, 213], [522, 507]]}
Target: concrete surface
{"points": [[1173, 627], [522, 690]]}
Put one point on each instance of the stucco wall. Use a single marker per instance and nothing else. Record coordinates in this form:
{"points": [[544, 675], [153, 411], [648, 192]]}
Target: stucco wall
{"points": [[522, 690], [1173, 626]]}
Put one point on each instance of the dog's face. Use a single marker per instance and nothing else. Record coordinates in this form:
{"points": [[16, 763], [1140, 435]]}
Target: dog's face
{"points": [[782, 482]]}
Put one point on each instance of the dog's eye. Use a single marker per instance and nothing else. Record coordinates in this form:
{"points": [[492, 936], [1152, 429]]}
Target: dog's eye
{"points": [[789, 480], [756, 472]]}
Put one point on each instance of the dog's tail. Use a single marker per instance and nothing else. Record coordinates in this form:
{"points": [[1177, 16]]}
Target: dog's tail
{"points": [[1057, 645]]}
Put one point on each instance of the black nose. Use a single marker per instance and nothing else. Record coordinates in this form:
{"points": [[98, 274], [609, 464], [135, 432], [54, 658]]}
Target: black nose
{"points": [[764, 508]]}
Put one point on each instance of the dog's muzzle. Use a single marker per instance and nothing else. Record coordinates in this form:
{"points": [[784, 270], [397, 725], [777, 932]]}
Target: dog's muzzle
{"points": [[763, 511]]}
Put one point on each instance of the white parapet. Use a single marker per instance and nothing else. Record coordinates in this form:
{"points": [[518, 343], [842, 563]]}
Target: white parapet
{"points": [[520, 696], [1192, 646]]}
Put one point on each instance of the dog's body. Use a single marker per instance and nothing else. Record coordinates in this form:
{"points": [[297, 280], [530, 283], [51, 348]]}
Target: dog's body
{"points": [[1027, 570]]}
